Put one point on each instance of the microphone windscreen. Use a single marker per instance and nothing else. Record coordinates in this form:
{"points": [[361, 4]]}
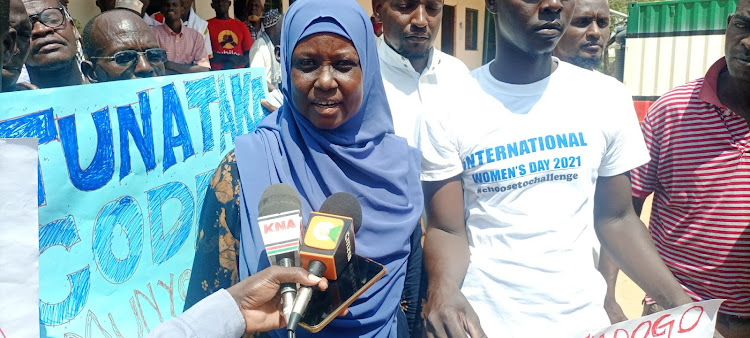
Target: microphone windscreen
{"points": [[278, 198], [343, 204]]}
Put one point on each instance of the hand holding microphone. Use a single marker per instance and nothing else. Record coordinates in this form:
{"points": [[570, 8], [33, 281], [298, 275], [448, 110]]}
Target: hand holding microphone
{"points": [[279, 219], [328, 246]]}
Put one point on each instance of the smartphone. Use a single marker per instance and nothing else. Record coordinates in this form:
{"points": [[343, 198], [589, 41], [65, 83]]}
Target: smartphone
{"points": [[324, 306]]}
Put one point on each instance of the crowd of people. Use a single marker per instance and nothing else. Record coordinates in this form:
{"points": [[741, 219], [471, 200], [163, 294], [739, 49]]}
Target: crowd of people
{"points": [[524, 176], [124, 42]]}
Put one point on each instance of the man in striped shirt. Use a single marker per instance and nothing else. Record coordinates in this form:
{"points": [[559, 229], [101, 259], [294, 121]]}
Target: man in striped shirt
{"points": [[699, 141]]}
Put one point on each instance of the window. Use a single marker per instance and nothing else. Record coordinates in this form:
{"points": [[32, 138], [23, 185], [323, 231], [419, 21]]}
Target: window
{"points": [[472, 16]]}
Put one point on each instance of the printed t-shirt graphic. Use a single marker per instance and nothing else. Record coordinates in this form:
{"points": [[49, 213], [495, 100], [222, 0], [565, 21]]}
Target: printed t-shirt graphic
{"points": [[228, 37]]}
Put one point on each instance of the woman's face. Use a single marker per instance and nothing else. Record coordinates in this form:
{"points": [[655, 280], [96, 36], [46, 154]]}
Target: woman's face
{"points": [[326, 79]]}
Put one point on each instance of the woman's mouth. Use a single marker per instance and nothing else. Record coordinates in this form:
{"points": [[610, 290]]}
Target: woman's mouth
{"points": [[326, 104]]}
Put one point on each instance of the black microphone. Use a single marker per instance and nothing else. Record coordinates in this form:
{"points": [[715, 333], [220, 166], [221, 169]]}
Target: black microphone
{"points": [[328, 246], [279, 219]]}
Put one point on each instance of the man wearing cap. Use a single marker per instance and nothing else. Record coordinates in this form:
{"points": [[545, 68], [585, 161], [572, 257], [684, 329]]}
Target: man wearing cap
{"points": [[262, 53]]}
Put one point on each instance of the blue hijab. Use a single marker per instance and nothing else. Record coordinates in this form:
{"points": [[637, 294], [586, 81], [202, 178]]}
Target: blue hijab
{"points": [[361, 157]]}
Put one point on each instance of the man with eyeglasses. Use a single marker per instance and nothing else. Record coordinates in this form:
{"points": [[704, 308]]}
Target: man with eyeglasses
{"points": [[119, 45], [184, 45], [53, 61]]}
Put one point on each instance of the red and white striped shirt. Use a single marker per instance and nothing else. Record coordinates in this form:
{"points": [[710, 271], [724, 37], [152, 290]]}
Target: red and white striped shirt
{"points": [[700, 173]]}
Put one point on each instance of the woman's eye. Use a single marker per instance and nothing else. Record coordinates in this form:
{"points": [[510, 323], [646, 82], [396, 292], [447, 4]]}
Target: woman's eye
{"points": [[305, 64], [345, 65]]}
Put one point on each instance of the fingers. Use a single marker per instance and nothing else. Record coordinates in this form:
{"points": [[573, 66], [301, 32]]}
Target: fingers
{"points": [[473, 326], [434, 329], [454, 329], [295, 275]]}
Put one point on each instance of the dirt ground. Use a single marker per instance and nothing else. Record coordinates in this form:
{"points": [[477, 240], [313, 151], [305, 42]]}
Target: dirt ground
{"points": [[628, 294]]}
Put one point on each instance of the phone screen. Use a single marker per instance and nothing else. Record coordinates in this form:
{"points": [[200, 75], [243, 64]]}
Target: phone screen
{"points": [[359, 275]]}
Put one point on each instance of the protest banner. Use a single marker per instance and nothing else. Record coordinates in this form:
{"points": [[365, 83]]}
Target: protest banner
{"points": [[19, 254], [694, 320], [123, 169]]}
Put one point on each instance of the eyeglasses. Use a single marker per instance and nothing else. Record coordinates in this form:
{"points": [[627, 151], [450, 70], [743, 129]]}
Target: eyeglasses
{"points": [[128, 57], [51, 17]]}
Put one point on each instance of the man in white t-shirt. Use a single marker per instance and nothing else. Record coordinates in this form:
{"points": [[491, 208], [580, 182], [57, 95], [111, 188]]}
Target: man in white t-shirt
{"points": [[511, 193], [418, 78]]}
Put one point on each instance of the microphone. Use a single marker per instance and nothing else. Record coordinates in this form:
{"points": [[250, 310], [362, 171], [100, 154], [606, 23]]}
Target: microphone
{"points": [[328, 246], [279, 219]]}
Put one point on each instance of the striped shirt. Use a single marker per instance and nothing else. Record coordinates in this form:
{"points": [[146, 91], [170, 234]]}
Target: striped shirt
{"points": [[700, 173]]}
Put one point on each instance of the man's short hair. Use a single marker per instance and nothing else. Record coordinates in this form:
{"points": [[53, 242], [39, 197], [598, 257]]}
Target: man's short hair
{"points": [[89, 46]]}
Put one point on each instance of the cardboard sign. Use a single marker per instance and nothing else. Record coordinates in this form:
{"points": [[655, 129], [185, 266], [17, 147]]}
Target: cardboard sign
{"points": [[19, 253], [123, 171], [694, 320]]}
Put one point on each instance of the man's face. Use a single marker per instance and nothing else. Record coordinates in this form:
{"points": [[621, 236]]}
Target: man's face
{"points": [[50, 46], [410, 26], [533, 26], [254, 10], [221, 6], [186, 5], [171, 9], [737, 45], [105, 5], [117, 33], [19, 22], [585, 39]]}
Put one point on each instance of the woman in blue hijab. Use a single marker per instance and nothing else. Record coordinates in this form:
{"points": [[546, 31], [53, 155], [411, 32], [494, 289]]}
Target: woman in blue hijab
{"points": [[334, 133]]}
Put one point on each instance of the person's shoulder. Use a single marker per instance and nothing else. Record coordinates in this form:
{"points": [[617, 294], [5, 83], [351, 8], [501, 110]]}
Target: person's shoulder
{"points": [[594, 79], [450, 63], [191, 32], [677, 102]]}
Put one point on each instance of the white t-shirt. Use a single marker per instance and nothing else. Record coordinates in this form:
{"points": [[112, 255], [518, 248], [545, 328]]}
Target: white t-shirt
{"points": [[529, 176], [411, 94]]}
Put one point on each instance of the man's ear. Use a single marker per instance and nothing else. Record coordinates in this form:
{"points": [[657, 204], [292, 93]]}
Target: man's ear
{"points": [[9, 47], [377, 5], [89, 71], [491, 6]]}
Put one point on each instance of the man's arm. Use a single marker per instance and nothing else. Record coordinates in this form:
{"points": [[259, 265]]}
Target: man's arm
{"points": [[609, 271], [626, 239], [446, 257]]}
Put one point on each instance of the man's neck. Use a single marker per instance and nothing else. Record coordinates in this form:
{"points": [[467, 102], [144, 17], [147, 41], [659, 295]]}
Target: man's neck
{"points": [[175, 26], [732, 93], [513, 65], [51, 78], [222, 16], [419, 63]]}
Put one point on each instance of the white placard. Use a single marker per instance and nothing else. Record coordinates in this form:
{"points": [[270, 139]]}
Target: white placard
{"points": [[694, 320], [19, 243]]}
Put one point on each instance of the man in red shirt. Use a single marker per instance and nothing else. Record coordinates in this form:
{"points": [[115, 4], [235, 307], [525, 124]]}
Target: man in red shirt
{"points": [[230, 39], [699, 141]]}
